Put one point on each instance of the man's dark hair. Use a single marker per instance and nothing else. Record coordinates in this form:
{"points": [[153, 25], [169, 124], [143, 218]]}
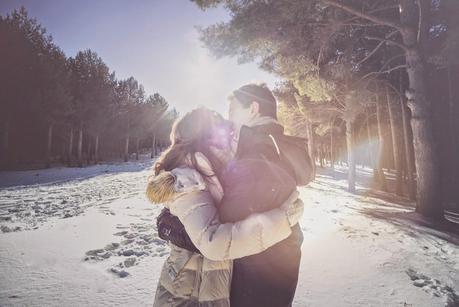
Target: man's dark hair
{"points": [[260, 93]]}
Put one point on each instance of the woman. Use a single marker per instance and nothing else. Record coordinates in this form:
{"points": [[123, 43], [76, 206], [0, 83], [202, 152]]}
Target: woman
{"points": [[186, 181]]}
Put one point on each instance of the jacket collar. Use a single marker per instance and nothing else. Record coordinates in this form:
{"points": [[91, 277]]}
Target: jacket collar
{"points": [[266, 125], [256, 133], [262, 120]]}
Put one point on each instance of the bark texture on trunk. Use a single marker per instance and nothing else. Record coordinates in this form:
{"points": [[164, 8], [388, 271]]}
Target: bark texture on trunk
{"points": [[408, 149], [429, 202]]}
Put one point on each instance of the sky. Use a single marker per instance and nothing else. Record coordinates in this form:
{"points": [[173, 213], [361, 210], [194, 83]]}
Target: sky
{"points": [[155, 41]]}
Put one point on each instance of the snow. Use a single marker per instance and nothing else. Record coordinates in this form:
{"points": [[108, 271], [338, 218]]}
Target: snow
{"points": [[30, 198], [100, 246], [351, 258]]}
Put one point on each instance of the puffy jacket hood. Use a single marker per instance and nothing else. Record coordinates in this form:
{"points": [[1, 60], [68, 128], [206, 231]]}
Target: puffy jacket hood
{"points": [[166, 186]]}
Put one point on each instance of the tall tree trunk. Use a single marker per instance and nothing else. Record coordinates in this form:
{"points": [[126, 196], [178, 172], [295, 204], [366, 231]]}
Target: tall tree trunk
{"points": [[350, 155], [370, 154], [408, 148], [96, 149], [88, 156], [429, 201], [6, 141], [137, 148], [332, 150], [49, 145], [452, 133], [321, 155], [310, 135], [381, 176], [126, 149], [153, 146], [70, 149], [80, 146], [63, 155], [126, 142], [394, 119]]}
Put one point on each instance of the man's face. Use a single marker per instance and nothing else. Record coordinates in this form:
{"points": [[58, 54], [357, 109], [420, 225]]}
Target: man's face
{"points": [[240, 115]]}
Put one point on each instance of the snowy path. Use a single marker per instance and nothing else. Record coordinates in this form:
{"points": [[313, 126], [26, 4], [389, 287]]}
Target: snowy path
{"points": [[107, 252]]}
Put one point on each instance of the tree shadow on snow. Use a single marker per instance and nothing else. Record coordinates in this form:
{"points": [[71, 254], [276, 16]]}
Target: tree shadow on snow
{"points": [[414, 224]]}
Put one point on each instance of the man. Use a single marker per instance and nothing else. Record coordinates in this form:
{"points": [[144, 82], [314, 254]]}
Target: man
{"points": [[266, 167]]}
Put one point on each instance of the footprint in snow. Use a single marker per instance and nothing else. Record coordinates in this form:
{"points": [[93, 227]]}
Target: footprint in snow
{"points": [[434, 287]]}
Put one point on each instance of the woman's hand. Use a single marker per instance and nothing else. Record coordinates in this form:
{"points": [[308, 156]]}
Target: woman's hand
{"points": [[294, 208]]}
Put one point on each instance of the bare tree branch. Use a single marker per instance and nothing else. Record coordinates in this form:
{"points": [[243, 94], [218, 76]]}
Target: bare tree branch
{"points": [[384, 71], [377, 47], [405, 48], [375, 19], [375, 11], [372, 52], [391, 59], [419, 21]]}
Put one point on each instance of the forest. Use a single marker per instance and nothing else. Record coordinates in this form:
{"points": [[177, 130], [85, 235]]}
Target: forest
{"points": [[367, 82], [58, 110]]}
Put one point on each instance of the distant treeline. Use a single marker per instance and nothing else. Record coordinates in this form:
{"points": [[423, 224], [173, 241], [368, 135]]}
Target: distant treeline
{"points": [[59, 110]]}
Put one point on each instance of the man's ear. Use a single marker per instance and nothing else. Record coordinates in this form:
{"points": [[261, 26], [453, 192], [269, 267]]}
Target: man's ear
{"points": [[255, 108]]}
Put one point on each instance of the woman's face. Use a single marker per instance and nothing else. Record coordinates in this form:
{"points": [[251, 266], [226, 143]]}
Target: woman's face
{"points": [[222, 133]]}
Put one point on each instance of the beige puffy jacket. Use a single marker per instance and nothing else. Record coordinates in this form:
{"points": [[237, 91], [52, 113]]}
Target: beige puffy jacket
{"points": [[191, 279]]}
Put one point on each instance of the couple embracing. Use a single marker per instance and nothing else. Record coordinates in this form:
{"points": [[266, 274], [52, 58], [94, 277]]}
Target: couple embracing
{"points": [[231, 206]]}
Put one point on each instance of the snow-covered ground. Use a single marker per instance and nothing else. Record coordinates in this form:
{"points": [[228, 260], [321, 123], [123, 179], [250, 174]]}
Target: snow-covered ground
{"points": [[30, 198], [87, 237], [362, 251]]}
